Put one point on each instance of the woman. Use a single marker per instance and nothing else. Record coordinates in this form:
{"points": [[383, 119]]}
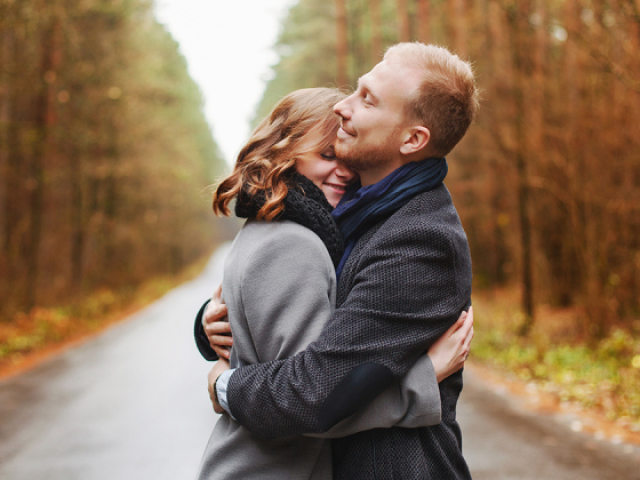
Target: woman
{"points": [[281, 267]]}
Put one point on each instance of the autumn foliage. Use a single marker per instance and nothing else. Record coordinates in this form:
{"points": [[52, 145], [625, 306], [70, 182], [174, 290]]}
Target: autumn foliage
{"points": [[104, 151]]}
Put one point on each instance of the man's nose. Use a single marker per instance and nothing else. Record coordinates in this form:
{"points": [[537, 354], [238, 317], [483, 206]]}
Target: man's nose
{"points": [[341, 108]]}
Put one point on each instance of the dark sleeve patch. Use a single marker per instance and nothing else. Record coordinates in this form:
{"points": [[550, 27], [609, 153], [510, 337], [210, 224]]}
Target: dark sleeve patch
{"points": [[202, 342], [354, 392]]}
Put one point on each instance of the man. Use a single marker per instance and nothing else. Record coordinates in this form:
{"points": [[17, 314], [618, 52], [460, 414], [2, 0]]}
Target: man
{"points": [[404, 279]]}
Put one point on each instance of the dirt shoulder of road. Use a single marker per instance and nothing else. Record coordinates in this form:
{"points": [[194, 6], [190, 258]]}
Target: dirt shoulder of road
{"points": [[32, 339], [532, 399], [23, 361]]}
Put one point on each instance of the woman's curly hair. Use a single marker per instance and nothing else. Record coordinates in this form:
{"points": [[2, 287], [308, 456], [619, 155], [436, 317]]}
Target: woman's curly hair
{"points": [[269, 157]]}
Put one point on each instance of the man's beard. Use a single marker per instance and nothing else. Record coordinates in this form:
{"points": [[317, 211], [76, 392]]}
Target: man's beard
{"points": [[364, 157], [359, 160]]}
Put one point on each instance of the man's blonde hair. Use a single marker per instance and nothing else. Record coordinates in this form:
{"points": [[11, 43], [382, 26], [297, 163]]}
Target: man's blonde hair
{"points": [[447, 99]]}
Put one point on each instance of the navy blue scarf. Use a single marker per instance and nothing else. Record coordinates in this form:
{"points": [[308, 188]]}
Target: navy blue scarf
{"points": [[361, 208]]}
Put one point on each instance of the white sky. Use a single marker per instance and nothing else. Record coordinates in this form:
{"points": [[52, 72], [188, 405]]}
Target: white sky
{"points": [[228, 47]]}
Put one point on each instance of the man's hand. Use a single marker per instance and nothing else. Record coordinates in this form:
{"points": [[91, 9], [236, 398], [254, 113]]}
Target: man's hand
{"points": [[220, 367], [451, 350], [216, 326]]}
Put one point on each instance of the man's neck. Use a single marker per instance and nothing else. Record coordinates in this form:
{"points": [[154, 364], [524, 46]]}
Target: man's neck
{"points": [[374, 175]]}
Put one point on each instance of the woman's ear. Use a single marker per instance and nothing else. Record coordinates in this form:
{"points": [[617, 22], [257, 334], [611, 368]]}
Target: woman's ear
{"points": [[417, 139]]}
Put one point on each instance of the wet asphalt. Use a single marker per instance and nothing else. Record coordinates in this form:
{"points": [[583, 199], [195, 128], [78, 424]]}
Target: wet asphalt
{"points": [[132, 404]]}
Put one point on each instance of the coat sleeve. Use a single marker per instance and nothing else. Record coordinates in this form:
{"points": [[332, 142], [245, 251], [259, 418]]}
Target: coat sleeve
{"points": [[412, 283], [411, 403]]}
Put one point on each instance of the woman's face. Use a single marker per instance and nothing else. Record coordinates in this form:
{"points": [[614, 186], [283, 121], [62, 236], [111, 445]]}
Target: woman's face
{"points": [[324, 169]]}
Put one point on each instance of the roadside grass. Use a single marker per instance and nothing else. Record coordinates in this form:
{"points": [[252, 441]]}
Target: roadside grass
{"points": [[45, 329], [602, 376]]}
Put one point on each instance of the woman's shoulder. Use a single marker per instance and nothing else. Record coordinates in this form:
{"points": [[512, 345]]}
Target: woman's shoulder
{"points": [[260, 242], [284, 233]]}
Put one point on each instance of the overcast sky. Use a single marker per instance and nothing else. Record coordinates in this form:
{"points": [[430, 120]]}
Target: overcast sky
{"points": [[228, 47]]}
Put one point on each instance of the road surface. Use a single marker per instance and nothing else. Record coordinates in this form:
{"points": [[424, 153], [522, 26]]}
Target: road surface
{"points": [[132, 404]]}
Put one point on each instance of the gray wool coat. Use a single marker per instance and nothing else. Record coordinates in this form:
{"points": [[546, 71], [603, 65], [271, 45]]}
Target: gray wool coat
{"points": [[406, 281], [280, 289]]}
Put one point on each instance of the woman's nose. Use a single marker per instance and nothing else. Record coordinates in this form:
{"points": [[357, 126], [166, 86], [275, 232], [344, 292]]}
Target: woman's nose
{"points": [[344, 172]]}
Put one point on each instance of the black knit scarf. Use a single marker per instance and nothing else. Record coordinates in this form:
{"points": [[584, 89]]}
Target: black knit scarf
{"points": [[304, 204]]}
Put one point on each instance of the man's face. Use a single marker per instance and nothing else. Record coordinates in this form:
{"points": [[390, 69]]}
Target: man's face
{"points": [[373, 121]]}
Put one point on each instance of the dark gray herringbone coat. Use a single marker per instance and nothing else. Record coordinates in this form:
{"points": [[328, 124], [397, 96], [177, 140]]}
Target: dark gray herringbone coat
{"points": [[406, 281]]}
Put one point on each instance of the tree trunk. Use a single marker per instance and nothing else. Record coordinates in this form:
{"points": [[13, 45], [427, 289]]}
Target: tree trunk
{"points": [[458, 26], [44, 121], [520, 31], [5, 60], [424, 28], [376, 32], [342, 47], [78, 228], [15, 199], [111, 206], [404, 33], [13, 161]]}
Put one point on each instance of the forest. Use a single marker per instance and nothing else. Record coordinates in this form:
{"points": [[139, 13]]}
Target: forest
{"points": [[104, 152]]}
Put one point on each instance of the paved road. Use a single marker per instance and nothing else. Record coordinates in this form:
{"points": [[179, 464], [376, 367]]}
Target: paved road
{"points": [[505, 440], [132, 404]]}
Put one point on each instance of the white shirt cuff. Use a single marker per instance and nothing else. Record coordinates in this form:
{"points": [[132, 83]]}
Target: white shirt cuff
{"points": [[221, 387]]}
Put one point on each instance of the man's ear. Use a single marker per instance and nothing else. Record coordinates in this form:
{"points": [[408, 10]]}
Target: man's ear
{"points": [[416, 139]]}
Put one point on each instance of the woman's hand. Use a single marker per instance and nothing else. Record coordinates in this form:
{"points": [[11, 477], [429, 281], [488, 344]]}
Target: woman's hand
{"points": [[218, 369], [451, 350], [216, 327]]}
